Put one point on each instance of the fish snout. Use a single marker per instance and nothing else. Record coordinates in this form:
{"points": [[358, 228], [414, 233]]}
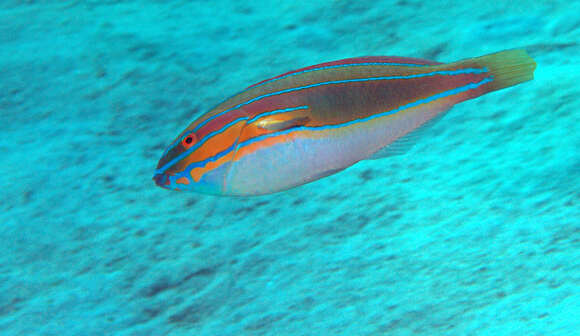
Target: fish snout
{"points": [[161, 180]]}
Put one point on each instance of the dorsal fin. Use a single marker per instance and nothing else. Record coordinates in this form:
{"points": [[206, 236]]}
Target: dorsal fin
{"points": [[387, 60]]}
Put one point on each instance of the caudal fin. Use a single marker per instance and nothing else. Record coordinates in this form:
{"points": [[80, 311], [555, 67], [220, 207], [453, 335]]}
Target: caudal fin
{"points": [[509, 67]]}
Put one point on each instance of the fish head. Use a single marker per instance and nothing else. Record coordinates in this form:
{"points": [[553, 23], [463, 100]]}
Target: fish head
{"points": [[186, 166]]}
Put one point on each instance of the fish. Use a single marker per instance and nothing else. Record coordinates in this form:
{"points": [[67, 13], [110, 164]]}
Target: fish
{"points": [[306, 124]]}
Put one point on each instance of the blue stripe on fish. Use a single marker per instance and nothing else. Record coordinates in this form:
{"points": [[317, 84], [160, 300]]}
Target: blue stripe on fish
{"points": [[261, 115], [446, 73], [444, 94], [193, 148], [336, 66], [440, 95], [197, 145], [427, 74]]}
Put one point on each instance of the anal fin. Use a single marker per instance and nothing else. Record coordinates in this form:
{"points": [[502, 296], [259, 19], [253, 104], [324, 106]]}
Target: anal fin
{"points": [[406, 142]]}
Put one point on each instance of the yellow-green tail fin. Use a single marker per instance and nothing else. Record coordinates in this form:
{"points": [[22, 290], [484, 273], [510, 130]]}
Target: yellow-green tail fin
{"points": [[509, 67]]}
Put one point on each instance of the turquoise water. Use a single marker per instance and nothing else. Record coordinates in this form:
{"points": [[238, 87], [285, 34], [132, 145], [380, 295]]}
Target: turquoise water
{"points": [[475, 231]]}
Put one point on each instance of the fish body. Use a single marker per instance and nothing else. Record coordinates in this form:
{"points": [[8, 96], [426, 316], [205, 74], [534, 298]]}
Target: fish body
{"points": [[309, 123]]}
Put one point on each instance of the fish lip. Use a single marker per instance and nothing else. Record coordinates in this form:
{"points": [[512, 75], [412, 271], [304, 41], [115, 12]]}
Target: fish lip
{"points": [[162, 180]]}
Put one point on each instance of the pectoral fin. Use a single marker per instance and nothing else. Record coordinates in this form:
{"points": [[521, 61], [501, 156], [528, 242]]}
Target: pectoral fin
{"points": [[275, 123]]}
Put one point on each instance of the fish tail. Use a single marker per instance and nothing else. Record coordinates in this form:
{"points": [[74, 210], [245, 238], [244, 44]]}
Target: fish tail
{"points": [[508, 68]]}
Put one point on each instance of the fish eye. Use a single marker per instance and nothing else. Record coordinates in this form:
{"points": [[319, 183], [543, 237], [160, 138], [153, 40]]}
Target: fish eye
{"points": [[188, 141]]}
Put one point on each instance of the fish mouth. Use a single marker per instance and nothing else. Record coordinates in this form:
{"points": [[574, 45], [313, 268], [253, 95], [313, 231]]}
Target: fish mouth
{"points": [[161, 180]]}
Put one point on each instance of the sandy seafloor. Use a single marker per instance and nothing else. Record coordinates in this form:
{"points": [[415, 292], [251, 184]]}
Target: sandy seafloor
{"points": [[476, 231]]}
